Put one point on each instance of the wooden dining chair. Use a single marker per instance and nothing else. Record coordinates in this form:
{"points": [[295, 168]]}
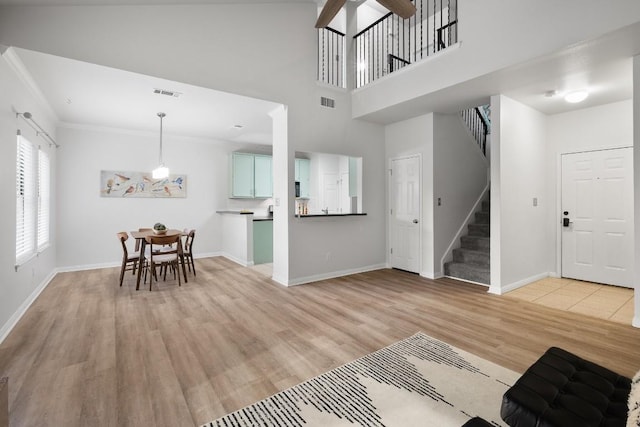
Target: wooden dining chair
{"points": [[138, 241], [188, 250], [168, 257], [129, 260]]}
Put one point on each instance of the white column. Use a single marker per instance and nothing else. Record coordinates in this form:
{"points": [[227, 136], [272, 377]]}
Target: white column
{"points": [[282, 189]]}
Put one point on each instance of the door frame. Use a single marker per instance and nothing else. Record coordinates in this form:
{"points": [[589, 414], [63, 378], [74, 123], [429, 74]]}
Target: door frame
{"points": [[390, 203], [558, 214]]}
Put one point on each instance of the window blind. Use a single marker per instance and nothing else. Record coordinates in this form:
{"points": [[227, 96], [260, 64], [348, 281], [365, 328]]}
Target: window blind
{"points": [[26, 200], [43, 199]]}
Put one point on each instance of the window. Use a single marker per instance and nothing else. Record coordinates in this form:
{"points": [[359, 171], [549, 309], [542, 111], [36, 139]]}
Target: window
{"points": [[32, 200], [43, 199]]}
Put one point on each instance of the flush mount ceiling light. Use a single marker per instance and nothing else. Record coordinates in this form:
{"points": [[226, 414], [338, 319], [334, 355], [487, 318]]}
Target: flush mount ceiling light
{"points": [[576, 96], [161, 171]]}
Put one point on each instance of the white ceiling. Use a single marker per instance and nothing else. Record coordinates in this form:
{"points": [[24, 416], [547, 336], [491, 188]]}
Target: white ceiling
{"points": [[135, 2], [602, 66], [81, 93], [92, 95]]}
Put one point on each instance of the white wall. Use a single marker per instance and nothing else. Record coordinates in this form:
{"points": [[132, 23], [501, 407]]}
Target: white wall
{"points": [[484, 48], [264, 62], [83, 212], [459, 177], [519, 250], [406, 138], [20, 287], [636, 184], [588, 129], [453, 168]]}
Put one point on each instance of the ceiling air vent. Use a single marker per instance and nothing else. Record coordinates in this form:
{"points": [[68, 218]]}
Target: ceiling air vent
{"points": [[327, 102], [167, 92]]}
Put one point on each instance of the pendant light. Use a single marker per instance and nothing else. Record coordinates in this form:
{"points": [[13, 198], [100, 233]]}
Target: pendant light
{"points": [[161, 171]]}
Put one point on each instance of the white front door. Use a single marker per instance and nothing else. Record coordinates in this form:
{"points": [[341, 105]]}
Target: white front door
{"points": [[597, 216], [404, 227]]}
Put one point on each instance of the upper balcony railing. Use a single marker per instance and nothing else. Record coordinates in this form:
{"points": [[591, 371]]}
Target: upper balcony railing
{"points": [[331, 64], [392, 43]]}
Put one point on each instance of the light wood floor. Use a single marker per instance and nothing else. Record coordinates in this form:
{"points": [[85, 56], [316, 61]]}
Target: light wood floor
{"points": [[90, 353]]}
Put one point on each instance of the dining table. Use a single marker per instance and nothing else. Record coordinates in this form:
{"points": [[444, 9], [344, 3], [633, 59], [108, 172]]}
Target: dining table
{"points": [[142, 236]]}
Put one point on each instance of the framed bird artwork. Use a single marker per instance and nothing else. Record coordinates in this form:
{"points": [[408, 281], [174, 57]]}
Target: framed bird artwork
{"points": [[141, 184]]}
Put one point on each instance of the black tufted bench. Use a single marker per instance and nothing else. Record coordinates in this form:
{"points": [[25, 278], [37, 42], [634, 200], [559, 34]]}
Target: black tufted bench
{"points": [[563, 390]]}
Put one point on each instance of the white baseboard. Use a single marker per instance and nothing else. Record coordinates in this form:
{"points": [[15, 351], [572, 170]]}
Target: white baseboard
{"points": [[432, 276], [13, 320], [279, 280], [499, 290], [636, 321], [208, 255], [71, 268], [237, 260], [84, 267], [468, 281], [333, 275]]}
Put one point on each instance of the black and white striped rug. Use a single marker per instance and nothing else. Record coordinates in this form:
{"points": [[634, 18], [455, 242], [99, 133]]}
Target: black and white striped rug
{"points": [[417, 381]]}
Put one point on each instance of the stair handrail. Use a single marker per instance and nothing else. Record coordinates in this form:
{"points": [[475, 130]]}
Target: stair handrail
{"points": [[478, 125]]}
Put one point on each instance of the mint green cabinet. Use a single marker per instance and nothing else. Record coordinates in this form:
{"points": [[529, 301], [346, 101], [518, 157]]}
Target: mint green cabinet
{"points": [[302, 175], [251, 176], [242, 178], [262, 242], [263, 177]]}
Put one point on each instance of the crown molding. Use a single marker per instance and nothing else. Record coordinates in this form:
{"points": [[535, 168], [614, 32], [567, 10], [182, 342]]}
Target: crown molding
{"points": [[18, 67]]}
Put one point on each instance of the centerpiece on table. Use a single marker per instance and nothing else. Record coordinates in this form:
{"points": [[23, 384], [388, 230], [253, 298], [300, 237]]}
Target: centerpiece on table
{"points": [[159, 228]]}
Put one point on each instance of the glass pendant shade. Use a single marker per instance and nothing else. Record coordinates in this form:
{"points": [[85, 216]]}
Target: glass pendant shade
{"points": [[160, 172]]}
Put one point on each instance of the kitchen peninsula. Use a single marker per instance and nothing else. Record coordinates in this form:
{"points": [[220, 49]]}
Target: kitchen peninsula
{"points": [[247, 238]]}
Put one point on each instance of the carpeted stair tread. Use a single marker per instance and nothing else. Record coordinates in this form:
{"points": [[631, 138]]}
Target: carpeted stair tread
{"points": [[479, 230], [469, 272], [477, 243], [482, 217], [469, 256], [472, 260]]}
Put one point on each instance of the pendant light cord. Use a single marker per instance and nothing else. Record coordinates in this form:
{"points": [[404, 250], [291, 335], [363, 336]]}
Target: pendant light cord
{"points": [[161, 115]]}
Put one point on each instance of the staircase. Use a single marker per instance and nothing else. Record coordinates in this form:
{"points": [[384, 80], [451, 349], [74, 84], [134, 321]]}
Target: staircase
{"points": [[471, 260]]}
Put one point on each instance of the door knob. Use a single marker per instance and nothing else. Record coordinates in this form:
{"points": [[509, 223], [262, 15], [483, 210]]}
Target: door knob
{"points": [[415, 221]]}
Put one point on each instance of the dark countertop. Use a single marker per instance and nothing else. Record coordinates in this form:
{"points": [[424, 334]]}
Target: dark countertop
{"points": [[331, 215], [263, 218], [243, 212]]}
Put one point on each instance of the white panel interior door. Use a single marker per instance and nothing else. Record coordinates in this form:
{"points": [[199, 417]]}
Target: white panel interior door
{"points": [[405, 214], [597, 215], [330, 192], [345, 200]]}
